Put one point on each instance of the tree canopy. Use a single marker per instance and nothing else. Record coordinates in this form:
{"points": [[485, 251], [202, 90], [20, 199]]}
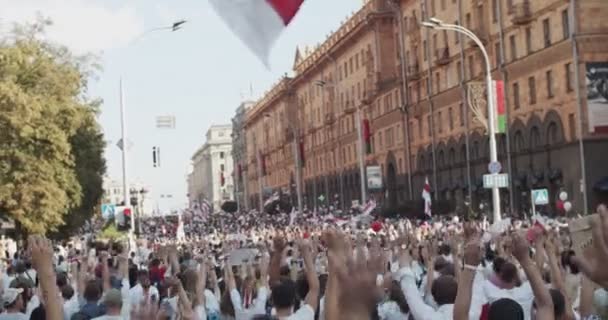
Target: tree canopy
{"points": [[51, 146]]}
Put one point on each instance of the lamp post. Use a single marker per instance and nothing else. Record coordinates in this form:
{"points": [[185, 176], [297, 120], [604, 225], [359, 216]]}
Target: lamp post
{"points": [[124, 145], [437, 24]]}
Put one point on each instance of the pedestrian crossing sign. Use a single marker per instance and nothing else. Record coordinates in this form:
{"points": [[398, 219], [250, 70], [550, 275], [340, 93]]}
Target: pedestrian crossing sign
{"points": [[540, 196], [108, 211]]}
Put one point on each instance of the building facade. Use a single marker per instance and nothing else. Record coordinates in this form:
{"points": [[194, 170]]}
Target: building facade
{"points": [[239, 155], [411, 90], [212, 167]]}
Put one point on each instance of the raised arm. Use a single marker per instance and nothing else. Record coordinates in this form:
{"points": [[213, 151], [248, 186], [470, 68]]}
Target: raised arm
{"points": [[105, 271], [202, 280], [312, 298], [279, 245], [544, 303], [42, 259], [472, 259]]}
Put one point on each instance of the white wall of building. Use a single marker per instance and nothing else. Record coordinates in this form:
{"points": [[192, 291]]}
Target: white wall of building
{"points": [[208, 163]]}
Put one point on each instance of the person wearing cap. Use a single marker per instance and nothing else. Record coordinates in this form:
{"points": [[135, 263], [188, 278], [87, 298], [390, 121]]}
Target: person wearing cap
{"points": [[113, 304], [13, 304]]}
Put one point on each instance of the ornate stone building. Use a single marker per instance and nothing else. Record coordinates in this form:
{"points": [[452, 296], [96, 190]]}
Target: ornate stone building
{"points": [[413, 85]]}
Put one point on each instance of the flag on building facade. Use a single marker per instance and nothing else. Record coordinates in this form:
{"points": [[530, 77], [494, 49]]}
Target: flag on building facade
{"points": [[499, 103], [258, 23], [302, 153], [367, 135], [426, 195]]}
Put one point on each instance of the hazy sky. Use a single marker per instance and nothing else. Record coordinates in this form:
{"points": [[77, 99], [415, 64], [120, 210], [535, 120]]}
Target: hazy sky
{"points": [[199, 74]]}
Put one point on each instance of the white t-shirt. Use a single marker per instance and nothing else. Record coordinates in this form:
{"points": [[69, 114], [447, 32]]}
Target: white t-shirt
{"points": [[106, 317], [305, 312], [13, 316]]}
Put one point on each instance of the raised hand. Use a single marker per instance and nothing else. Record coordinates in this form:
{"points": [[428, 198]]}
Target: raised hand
{"points": [[353, 290], [596, 269], [41, 252]]}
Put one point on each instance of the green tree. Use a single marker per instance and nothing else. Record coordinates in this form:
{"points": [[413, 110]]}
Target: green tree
{"points": [[44, 108]]}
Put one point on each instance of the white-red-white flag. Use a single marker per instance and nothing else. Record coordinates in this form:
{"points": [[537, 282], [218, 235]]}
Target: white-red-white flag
{"points": [[258, 23], [426, 195]]}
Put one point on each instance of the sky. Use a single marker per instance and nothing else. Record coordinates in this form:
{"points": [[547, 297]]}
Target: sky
{"points": [[199, 74]]}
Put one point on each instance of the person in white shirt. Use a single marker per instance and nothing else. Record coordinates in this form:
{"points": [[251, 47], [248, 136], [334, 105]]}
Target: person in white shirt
{"points": [[70, 301], [12, 302], [284, 290], [113, 304], [395, 307], [143, 292], [444, 291]]}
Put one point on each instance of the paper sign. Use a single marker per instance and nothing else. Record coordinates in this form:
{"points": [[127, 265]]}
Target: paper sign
{"points": [[242, 256], [580, 233]]}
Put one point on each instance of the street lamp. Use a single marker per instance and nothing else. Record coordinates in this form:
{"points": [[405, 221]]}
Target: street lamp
{"points": [[124, 145], [437, 24]]}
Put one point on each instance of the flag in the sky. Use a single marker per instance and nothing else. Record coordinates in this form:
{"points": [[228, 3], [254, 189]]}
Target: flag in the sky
{"points": [[258, 23], [426, 195]]}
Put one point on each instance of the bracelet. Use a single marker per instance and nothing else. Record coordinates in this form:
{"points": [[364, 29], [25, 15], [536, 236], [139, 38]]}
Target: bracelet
{"points": [[470, 267]]}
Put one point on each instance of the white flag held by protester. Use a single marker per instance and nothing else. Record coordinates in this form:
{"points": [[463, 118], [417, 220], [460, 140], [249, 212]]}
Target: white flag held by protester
{"points": [[258, 23], [426, 195]]}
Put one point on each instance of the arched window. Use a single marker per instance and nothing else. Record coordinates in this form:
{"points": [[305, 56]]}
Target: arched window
{"points": [[475, 154], [534, 138], [463, 153], [441, 160], [421, 165], [552, 134], [518, 141], [452, 157]]}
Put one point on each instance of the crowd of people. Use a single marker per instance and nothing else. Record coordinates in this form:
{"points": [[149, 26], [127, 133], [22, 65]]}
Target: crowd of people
{"points": [[255, 266]]}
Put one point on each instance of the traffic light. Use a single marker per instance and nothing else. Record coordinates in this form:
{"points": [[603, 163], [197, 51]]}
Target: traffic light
{"points": [[156, 157], [123, 218]]}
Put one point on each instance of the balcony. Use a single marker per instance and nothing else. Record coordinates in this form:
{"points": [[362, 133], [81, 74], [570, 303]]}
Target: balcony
{"points": [[311, 127], [443, 56], [522, 13], [350, 107], [482, 34], [330, 119], [413, 71]]}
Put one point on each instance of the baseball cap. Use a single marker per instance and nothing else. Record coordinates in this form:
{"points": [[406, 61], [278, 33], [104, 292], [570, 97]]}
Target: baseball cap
{"points": [[113, 298], [10, 295]]}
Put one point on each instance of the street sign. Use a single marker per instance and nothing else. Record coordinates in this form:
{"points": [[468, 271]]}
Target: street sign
{"points": [[120, 144], [540, 197], [495, 181], [494, 167], [108, 211]]}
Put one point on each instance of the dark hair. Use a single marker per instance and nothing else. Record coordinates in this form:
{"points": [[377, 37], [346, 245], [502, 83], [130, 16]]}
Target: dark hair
{"points": [[92, 291], [447, 270], [444, 290], [444, 249], [508, 273], [284, 293], [61, 280], [396, 294], [505, 309], [497, 264], [567, 261], [559, 306], [67, 292]]}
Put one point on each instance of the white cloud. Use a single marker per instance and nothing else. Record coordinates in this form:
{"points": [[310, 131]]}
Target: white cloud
{"points": [[82, 25]]}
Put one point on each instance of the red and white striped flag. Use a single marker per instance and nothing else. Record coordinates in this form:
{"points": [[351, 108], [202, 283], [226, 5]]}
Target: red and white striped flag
{"points": [[258, 23], [426, 195]]}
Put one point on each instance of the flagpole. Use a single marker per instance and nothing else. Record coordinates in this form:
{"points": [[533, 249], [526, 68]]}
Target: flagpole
{"points": [[361, 158]]}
